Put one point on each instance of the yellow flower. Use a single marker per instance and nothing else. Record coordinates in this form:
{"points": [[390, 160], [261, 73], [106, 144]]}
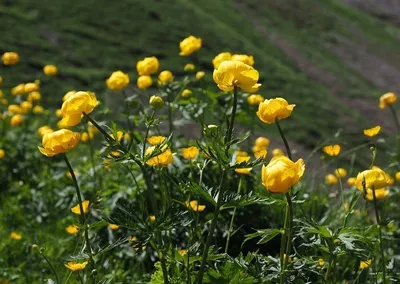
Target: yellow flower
{"points": [[127, 137], [147, 66], [1, 81], [156, 140], [182, 252], [224, 56], [387, 99], [68, 174], [14, 109], [18, 90], [161, 160], [365, 264], [340, 172], [16, 120], [262, 142], [76, 209], [68, 94], [189, 67], [243, 171], [195, 206], [271, 110], [189, 45], [351, 181], [72, 229], [152, 219], [57, 142], [113, 226], [156, 102], [50, 70], [15, 236], [331, 179], [2, 153], [190, 153], [242, 154], [120, 134], [31, 87], [321, 262], [281, 173], [10, 58], [200, 75], [38, 109], [372, 131], [44, 130], [118, 80], [397, 176], [143, 82], [380, 193], [3, 101], [332, 150], [277, 152], [74, 266], [85, 137], [374, 178], [231, 74], [186, 94], [75, 105], [58, 112], [260, 153], [34, 96], [255, 99], [165, 77], [26, 106], [248, 59]]}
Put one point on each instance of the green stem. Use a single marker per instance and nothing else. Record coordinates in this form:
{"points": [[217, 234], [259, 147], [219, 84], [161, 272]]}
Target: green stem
{"points": [[147, 134], [283, 242], [289, 230], [91, 152], [328, 271], [378, 221], [129, 123], [51, 266], [170, 122], [233, 217], [396, 120], [289, 153], [229, 131], [341, 189], [164, 269]]}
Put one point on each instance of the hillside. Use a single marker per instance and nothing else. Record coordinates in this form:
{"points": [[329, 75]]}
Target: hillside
{"points": [[330, 58]]}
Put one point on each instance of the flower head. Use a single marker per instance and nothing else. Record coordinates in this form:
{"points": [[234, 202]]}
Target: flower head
{"points": [[10, 58], [255, 99], [75, 105], [331, 179], [57, 142], [156, 140], [195, 206], [189, 45], [2, 153], [373, 178], [340, 172], [18, 90], [31, 87], [387, 99], [77, 210], [248, 59], [332, 150], [144, 82], [50, 70], [351, 181], [16, 120], [15, 236], [186, 94], [380, 193], [34, 96], [190, 153], [271, 110], [156, 101], [370, 132], [118, 81], [147, 66], [365, 264], [189, 67], [163, 159], [224, 56], [200, 75], [68, 94], [72, 229], [113, 226], [42, 131], [75, 266], [261, 142], [165, 77]]}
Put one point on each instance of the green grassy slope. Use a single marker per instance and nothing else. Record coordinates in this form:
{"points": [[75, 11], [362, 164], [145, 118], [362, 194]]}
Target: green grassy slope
{"points": [[89, 39]]}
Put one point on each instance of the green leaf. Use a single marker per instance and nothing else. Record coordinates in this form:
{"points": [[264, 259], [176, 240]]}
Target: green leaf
{"points": [[265, 235]]}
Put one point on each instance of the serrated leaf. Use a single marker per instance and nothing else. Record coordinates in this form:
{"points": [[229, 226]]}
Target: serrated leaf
{"points": [[265, 235]]}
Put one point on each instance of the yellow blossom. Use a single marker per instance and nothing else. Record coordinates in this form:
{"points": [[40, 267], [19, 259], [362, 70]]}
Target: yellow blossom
{"points": [[277, 152], [397, 176], [321, 262], [156, 102], [163, 159], [190, 153], [182, 252], [144, 82], [373, 178], [224, 56], [189, 45], [77, 104], [380, 193], [68, 94], [340, 172], [152, 218], [118, 81], [332, 150], [387, 99], [261, 142], [147, 66], [260, 153], [271, 110], [365, 264], [156, 140], [34, 96], [331, 179], [372, 131], [44, 130], [57, 142], [195, 206], [186, 94], [255, 99], [113, 226], [189, 67], [25, 106], [18, 90], [31, 87], [16, 120], [14, 109], [38, 109], [248, 59], [165, 77], [50, 70], [15, 236], [10, 58], [76, 209], [351, 181], [200, 75], [75, 266], [2, 153], [72, 229]]}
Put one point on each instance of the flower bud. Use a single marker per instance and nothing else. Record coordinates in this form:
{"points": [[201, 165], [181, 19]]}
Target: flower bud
{"points": [[156, 102]]}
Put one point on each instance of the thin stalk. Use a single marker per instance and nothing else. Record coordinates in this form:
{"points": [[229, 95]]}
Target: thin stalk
{"points": [[396, 120], [91, 153], [170, 122], [283, 242], [328, 271], [289, 230], [129, 123], [164, 269], [378, 221], [229, 131], [289, 153], [147, 134], [341, 189], [233, 217], [51, 266]]}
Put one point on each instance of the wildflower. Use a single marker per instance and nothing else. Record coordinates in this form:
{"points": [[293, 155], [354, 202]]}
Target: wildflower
{"points": [[147, 66], [31, 87], [242, 154], [379, 194], [156, 140], [231, 74], [247, 59], [75, 266], [144, 82], [113, 226], [76, 209], [18, 90], [26, 106], [127, 137], [50, 70], [57, 142], [260, 153], [44, 130], [10, 58], [365, 264], [38, 109], [243, 171], [321, 262], [189, 45], [200, 75], [118, 81], [16, 120], [1, 81], [190, 153], [34, 96], [77, 104], [189, 67], [14, 109], [255, 99], [2, 153], [261, 142], [156, 102], [224, 56], [374, 178], [277, 152], [68, 94], [271, 110], [15, 236], [186, 94], [195, 206], [58, 112], [152, 218], [332, 150], [372, 131], [397, 176], [351, 181], [331, 179], [281, 173], [182, 252], [161, 160], [72, 229], [387, 99], [340, 172], [85, 137], [120, 134], [165, 77], [69, 175]]}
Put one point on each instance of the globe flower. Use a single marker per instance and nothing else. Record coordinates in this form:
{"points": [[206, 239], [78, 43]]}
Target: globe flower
{"points": [[332, 150], [261, 142], [113, 227], [243, 171], [255, 99], [397, 175], [281, 173], [200, 75], [2, 153], [351, 181], [16, 120], [247, 59], [3, 101], [182, 252], [15, 236], [194, 205], [77, 104], [72, 229], [76, 209], [152, 218], [120, 134], [34, 96], [189, 67], [340, 172], [75, 266], [163, 159], [31, 87], [379, 194], [14, 109], [156, 140], [231, 74], [25, 106], [373, 178], [277, 152], [224, 56], [156, 102], [50, 70], [38, 109], [321, 262], [143, 82], [18, 90], [57, 142], [370, 132], [331, 179], [260, 154], [42, 131], [68, 94], [10, 58], [189, 45], [165, 77], [118, 81], [186, 94], [365, 264], [190, 153], [147, 66], [85, 137], [271, 110], [387, 100]]}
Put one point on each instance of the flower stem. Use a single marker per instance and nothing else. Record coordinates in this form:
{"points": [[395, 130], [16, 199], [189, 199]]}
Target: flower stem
{"points": [[378, 222], [229, 131], [289, 153], [283, 242], [147, 134], [396, 120], [341, 190], [49, 263]]}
